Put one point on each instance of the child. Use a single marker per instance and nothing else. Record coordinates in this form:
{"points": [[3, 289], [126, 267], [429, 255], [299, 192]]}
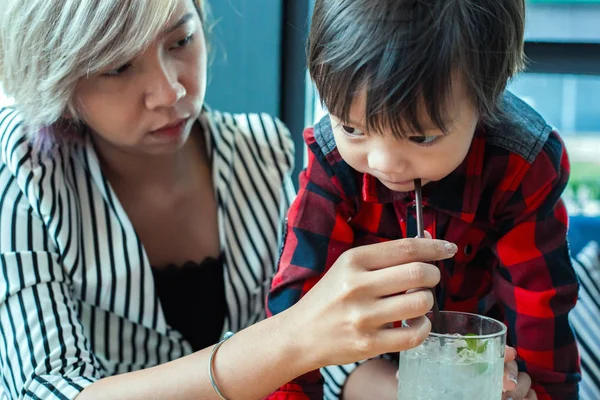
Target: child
{"points": [[417, 90]]}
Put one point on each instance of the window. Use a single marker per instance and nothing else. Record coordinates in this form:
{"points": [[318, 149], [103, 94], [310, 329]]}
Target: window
{"points": [[563, 84], [574, 21]]}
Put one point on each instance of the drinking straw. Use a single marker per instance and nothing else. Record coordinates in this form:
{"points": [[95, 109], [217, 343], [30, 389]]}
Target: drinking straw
{"points": [[437, 318]]}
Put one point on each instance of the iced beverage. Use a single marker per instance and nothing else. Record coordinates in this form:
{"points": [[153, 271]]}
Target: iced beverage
{"points": [[464, 360]]}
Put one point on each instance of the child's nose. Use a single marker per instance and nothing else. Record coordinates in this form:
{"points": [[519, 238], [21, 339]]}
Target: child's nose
{"points": [[387, 162]]}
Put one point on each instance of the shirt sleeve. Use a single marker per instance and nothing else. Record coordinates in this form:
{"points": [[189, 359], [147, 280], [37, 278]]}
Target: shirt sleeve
{"points": [[43, 351], [316, 233], [535, 281], [288, 192]]}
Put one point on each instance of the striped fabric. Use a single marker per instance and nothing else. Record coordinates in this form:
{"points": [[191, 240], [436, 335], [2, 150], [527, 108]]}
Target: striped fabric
{"points": [[77, 296], [586, 319], [334, 380]]}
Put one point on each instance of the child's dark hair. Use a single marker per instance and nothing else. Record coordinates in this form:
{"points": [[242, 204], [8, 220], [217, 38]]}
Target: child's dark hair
{"points": [[406, 52]]}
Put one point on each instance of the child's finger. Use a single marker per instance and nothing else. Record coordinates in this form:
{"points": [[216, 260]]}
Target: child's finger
{"points": [[511, 371], [531, 395], [509, 354], [522, 390]]}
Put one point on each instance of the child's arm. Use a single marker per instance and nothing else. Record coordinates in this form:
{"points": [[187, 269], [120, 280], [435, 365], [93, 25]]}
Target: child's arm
{"points": [[535, 280]]}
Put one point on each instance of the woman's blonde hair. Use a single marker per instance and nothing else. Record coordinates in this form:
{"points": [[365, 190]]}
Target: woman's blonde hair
{"points": [[46, 46]]}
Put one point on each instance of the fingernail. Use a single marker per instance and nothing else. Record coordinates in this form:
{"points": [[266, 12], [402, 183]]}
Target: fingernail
{"points": [[509, 398], [451, 247], [512, 378]]}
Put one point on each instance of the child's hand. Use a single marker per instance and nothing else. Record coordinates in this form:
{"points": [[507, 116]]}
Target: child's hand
{"points": [[516, 385], [347, 316]]}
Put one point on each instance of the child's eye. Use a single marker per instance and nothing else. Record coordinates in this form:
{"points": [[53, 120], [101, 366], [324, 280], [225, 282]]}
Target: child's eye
{"points": [[183, 42], [118, 71], [423, 140], [350, 131]]}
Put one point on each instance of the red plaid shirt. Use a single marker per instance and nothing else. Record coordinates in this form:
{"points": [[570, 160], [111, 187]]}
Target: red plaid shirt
{"points": [[501, 207]]}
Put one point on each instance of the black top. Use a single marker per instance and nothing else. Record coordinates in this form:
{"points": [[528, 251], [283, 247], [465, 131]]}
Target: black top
{"points": [[193, 300]]}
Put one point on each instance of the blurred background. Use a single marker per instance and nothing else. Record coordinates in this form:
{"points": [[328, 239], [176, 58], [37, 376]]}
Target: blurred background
{"points": [[563, 84]]}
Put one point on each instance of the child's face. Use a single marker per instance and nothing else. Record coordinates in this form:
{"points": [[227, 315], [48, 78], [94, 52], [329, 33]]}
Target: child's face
{"points": [[397, 162]]}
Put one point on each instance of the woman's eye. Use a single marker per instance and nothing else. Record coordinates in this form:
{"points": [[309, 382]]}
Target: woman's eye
{"points": [[423, 140], [350, 131], [118, 71], [183, 42]]}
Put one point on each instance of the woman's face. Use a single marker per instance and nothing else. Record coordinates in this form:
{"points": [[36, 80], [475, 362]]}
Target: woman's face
{"points": [[148, 105]]}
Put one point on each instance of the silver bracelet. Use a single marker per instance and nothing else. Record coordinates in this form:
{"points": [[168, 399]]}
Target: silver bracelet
{"points": [[226, 336]]}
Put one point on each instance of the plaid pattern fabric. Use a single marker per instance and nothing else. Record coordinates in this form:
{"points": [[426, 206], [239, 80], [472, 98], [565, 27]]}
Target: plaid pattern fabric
{"points": [[501, 207]]}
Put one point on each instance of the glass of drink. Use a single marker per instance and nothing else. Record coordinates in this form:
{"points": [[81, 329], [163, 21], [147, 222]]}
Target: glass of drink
{"points": [[464, 359]]}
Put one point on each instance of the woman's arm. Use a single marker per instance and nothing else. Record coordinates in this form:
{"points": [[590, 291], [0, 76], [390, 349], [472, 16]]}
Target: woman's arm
{"points": [[44, 353], [250, 365], [341, 320]]}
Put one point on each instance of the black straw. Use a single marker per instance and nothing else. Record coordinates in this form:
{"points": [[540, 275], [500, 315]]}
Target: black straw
{"points": [[437, 318]]}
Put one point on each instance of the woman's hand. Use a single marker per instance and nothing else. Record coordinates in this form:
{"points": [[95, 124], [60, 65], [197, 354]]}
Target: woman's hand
{"points": [[516, 385], [347, 316]]}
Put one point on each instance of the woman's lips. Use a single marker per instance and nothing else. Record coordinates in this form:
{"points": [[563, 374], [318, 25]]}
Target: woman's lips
{"points": [[172, 130]]}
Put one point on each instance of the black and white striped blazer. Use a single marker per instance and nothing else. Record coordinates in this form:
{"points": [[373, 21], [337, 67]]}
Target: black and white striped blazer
{"points": [[77, 296], [585, 319]]}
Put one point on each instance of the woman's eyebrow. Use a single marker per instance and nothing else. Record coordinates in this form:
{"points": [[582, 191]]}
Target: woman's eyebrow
{"points": [[177, 24]]}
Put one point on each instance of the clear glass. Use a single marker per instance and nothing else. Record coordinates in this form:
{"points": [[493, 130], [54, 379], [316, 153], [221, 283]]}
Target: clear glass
{"points": [[464, 360]]}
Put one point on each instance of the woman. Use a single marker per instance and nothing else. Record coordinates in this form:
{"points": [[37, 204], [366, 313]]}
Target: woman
{"points": [[137, 225]]}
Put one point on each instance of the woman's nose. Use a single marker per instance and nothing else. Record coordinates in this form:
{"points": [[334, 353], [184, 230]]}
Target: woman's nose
{"points": [[164, 88]]}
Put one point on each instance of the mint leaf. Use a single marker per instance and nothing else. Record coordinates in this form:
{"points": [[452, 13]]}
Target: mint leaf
{"points": [[476, 345]]}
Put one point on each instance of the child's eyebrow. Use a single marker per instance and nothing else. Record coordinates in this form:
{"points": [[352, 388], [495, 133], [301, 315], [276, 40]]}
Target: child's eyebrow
{"points": [[356, 124], [341, 121], [428, 128]]}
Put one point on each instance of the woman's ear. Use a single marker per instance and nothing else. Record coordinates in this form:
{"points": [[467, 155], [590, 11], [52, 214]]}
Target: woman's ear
{"points": [[69, 113]]}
